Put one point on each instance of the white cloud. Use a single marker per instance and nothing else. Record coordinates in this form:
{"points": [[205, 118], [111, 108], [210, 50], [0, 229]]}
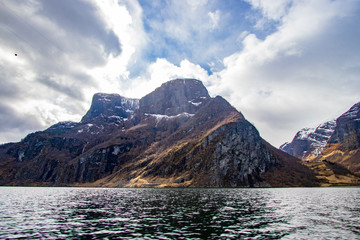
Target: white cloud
{"points": [[129, 30], [214, 19], [288, 79], [274, 9], [162, 71]]}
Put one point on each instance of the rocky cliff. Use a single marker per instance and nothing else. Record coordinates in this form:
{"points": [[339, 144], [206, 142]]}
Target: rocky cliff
{"points": [[175, 136], [110, 105]]}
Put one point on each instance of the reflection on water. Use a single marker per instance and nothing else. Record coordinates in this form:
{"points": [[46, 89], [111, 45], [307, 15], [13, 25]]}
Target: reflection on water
{"points": [[97, 213]]}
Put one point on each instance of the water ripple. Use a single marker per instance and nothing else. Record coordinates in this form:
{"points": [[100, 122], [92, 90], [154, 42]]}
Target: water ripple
{"points": [[95, 213]]}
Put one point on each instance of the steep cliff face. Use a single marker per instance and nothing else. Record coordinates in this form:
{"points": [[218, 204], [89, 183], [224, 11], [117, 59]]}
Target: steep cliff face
{"points": [[175, 97], [110, 105], [347, 129], [175, 136]]}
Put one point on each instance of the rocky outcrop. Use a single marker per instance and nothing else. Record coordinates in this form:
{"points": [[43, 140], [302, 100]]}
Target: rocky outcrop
{"points": [[175, 97], [239, 157], [176, 136], [347, 129], [108, 105]]}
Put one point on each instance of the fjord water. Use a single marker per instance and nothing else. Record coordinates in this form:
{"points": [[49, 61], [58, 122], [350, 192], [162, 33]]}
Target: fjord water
{"points": [[195, 213]]}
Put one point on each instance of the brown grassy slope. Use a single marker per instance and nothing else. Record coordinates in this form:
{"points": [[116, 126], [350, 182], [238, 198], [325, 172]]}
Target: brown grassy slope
{"points": [[332, 174], [289, 172], [339, 154], [337, 166]]}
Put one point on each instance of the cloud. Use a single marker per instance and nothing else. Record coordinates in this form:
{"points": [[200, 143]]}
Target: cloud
{"points": [[214, 19], [200, 31], [274, 10], [50, 78], [162, 71], [13, 123], [290, 78]]}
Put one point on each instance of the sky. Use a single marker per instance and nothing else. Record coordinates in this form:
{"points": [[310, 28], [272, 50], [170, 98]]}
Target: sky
{"points": [[284, 64]]}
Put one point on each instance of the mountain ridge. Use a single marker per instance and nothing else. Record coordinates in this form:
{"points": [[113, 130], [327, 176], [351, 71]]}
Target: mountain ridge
{"points": [[336, 160], [176, 136]]}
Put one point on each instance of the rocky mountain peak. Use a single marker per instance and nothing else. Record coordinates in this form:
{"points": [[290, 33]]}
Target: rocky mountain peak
{"points": [[175, 97], [352, 114], [107, 105]]}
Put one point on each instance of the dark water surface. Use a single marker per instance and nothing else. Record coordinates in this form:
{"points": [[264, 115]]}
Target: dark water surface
{"points": [[99, 213]]}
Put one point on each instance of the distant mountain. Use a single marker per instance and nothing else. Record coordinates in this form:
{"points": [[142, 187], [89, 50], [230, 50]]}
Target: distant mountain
{"points": [[176, 136], [309, 142], [332, 149]]}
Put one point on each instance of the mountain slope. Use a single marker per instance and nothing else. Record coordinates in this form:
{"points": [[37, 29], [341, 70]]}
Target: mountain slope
{"points": [[175, 136], [344, 144], [334, 154]]}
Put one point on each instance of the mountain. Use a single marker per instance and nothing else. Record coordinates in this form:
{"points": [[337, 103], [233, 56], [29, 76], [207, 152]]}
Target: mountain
{"points": [[344, 144], [309, 142], [176, 136], [332, 150]]}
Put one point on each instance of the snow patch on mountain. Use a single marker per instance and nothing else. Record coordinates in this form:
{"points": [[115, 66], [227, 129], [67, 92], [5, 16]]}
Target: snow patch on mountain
{"points": [[159, 117], [195, 103], [131, 103]]}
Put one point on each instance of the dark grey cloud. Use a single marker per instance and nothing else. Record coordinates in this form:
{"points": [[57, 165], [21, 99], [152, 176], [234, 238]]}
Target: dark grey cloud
{"points": [[8, 88], [53, 83], [66, 30], [80, 18], [10, 119]]}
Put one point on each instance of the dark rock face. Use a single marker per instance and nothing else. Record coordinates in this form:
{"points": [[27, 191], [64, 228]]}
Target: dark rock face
{"points": [[110, 105], [175, 97], [240, 158], [175, 136], [347, 129]]}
